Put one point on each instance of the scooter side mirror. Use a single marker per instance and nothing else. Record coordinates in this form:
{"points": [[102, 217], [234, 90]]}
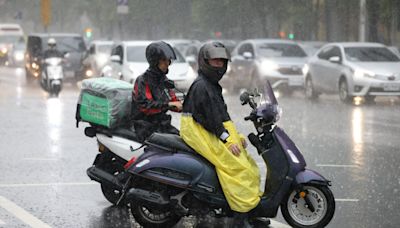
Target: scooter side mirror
{"points": [[244, 97]]}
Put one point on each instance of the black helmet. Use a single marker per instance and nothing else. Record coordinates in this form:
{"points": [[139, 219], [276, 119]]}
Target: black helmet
{"points": [[159, 50], [213, 50]]}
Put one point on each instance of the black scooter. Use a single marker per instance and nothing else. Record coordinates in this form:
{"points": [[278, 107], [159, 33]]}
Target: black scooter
{"points": [[170, 180]]}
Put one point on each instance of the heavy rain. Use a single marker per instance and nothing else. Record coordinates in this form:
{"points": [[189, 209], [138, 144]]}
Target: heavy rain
{"points": [[75, 153]]}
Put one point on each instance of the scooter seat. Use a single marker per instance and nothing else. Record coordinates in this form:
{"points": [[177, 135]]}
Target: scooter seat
{"points": [[125, 133], [170, 142]]}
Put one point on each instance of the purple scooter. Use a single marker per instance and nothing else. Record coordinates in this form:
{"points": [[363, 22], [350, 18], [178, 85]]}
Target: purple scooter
{"points": [[170, 180]]}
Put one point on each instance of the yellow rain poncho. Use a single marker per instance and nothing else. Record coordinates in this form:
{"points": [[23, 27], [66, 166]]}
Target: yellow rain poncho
{"points": [[239, 176]]}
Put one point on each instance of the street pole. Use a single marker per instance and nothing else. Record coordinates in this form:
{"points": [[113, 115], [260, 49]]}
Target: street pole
{"points": [[45, 11], [363, 21]]}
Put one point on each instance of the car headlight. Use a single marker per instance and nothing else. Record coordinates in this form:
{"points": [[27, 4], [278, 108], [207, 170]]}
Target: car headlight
{"points": [[358, 73], [269, 66], [4, 50], [19, 56]]}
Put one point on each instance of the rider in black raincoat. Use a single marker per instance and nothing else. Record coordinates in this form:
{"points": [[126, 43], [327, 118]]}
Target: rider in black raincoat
{"points": [[153, 93]]}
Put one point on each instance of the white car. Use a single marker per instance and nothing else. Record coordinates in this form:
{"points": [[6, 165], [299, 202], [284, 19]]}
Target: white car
{"points": [[128, 61], [256, 61], [98, 54], [353, 69]]}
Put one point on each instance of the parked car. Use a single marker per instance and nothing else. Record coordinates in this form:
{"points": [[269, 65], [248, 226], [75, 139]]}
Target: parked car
{"points": [[72, 44], [353, 69], [256, 61], [128, 61], [97, 56]]}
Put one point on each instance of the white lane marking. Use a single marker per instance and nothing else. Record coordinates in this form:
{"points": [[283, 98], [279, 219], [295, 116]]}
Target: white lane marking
{"points": [[40, 159], [22, 214], [276, 224], [1, 222], [347, 200], [337, 166], [46, 184]]}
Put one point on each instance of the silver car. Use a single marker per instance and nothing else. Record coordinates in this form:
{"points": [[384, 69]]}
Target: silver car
{"points": [[256, 61], [353, 69]]}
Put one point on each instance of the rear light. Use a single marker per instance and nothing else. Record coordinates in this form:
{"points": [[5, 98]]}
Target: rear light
{"points": [[130, 162]]}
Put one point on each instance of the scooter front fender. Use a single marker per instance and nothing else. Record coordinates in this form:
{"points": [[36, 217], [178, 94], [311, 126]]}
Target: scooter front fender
{"points": [[309, 176]]}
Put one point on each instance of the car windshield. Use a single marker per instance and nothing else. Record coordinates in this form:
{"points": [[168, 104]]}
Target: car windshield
{"points": [[280, 50], [370, 54], [137, 54], [68, 44], [104, 48]]}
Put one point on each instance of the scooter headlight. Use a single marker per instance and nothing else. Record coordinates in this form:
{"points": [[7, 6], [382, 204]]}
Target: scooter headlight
{"points": [[35, 66], [89, 73]]}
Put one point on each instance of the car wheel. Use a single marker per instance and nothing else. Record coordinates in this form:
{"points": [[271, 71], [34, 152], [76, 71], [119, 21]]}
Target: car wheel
{"points": [[309, 90], [344, 92]]}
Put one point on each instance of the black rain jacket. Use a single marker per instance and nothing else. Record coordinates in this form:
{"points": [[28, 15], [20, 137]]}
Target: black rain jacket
{"points": [[206, 104]]}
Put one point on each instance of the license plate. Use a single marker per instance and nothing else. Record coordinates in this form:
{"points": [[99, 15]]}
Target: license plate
{"points": [[296, 81], [391, 87]]}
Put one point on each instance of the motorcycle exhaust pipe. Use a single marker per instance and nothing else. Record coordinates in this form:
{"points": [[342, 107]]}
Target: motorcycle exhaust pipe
{"points": [[102, 176], [153, 198]]}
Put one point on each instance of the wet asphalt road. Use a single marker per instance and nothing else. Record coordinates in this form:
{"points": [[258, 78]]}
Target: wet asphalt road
{"points": [[43, 158]]}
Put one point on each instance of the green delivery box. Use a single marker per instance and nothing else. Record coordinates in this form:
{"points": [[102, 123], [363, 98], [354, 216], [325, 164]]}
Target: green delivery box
{"points": [[105, 101]]}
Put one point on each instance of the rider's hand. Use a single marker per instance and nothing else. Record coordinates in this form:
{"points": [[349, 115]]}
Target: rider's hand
{"points": [[235, 149], [176, 105]]}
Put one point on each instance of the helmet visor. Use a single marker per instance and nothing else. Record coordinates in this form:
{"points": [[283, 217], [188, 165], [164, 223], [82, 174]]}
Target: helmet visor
{"points": [[217, 53], [168, 51]]}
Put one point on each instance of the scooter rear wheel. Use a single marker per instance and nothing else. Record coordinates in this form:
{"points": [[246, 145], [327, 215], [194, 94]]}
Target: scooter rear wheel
{"points": [[298, 214]]}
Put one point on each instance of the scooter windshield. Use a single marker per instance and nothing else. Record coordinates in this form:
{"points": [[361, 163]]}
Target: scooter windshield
{"points": [[268, 94]]}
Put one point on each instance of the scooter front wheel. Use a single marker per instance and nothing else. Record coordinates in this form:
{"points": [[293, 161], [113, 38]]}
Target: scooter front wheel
{"points": [[313, 207], [153, 218]]}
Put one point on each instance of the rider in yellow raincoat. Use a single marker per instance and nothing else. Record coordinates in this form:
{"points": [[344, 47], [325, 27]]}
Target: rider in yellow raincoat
{"points": [[206, 127]]}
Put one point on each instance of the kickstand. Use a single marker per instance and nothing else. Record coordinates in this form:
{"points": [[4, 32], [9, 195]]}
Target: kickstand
{"points": [[124, 188]]}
